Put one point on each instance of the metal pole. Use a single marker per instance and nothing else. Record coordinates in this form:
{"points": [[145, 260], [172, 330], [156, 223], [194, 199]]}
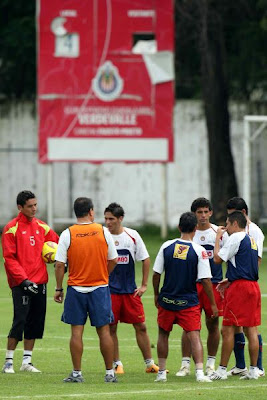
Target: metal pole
{"points": [[246, 164], [164, 220], [50, 195]]}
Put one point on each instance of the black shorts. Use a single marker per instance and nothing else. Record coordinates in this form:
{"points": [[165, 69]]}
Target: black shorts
{"points": [[29, 314]]}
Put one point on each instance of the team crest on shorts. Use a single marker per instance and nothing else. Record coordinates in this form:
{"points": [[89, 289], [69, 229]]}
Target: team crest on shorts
{"points": [[180, 251], [107, 84]]}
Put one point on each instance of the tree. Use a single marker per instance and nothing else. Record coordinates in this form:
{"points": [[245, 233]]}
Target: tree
{"points": [[204, 26], [223, 182], [17, 49]]}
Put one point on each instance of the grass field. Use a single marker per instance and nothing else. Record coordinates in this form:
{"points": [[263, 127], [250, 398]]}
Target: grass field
{"points": [[52, 356]]}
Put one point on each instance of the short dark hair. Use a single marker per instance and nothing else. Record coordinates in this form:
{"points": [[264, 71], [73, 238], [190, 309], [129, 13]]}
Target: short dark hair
{"points": [[115, 209], [188, 222], [82, 206], [201, 202], [237, 203], [24, 196], [239, 217]]}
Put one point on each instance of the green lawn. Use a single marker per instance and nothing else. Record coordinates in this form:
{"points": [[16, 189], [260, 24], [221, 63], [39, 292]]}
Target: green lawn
{"points": [[52, 356]]}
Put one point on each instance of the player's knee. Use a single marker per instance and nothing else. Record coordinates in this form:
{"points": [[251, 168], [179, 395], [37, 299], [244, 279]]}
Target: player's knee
{"points": [[140, 328]]}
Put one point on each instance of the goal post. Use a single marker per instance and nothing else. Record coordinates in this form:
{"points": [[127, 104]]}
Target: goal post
{"points": [[250, 135]]}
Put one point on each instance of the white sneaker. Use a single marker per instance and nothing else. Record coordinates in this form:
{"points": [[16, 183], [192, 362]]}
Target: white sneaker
{"points": [[217, 376], [161, 378], [261, 372], [183, 371], [209, 370], [237, 371], [8, 368], [203, 378], [250, 375], [29, 368]]}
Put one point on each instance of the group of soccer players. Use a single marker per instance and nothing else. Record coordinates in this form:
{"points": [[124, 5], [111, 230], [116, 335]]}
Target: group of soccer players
{"points": [[101, 284], [237, 298]]}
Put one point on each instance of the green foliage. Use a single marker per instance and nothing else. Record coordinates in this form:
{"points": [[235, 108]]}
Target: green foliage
{"points": [[17, 48], [245, 38]]}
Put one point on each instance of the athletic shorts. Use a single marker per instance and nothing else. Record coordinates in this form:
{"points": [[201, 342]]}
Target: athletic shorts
{"points": [[189, 319], [204, 300], [242, 305], [96, 305], [29, 314], [127, 308]]}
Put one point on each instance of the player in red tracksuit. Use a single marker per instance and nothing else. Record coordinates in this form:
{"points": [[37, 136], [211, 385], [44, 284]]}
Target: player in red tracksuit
{"points": [[22, 241]]}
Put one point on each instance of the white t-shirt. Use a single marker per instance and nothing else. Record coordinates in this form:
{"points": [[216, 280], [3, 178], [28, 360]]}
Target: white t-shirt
{"points": [[256, 233], [131, 240], [208, 237], [231, 247]]}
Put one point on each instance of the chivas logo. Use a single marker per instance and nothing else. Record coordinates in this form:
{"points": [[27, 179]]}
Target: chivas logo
{"points": [[107, 84], [180, 251]]}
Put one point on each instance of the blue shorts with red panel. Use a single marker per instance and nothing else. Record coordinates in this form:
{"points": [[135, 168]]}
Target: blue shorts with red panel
{"points": [[242, 304], [189, 319], [204, 300], [127, 308]]}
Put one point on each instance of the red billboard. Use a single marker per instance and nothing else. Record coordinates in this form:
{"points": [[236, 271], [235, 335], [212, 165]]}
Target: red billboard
{"points": [[105, 80]]}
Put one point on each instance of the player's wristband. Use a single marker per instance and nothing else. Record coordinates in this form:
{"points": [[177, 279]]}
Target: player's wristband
{"points": [[59, 290]]}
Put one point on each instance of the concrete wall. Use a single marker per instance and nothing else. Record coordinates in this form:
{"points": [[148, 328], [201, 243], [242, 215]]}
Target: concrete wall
{"points": [[138, 187]]}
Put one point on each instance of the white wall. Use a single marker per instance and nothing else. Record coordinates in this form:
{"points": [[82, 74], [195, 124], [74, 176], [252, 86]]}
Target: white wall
{"points": [[137, 187]]}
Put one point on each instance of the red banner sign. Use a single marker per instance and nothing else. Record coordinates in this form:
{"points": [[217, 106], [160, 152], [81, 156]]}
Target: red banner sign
{"points": [[105, 80]]}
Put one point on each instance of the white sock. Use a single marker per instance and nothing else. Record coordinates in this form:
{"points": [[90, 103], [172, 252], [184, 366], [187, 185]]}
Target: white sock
{"points": [[186, 362], [199, 372], [10, 356], [222, 370], [210, 361], [253, 370], [149, 362], [110, 372], [76, 373], [117, 362], [162, 372], [27, 357]]}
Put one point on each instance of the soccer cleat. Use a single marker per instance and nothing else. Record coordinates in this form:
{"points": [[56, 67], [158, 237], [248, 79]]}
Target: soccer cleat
{"points": [[29, 368], [119, 369], [237, 371], [250, 375], [209, 370], [153, 369], [161, 378], [183, 371], [203, 378], [8, 368], [261, 372], [110, 379], [73, 379], [217, 376]]}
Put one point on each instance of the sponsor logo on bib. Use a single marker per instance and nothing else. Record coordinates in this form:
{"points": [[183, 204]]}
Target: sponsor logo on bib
{"points": [[123, 259]]}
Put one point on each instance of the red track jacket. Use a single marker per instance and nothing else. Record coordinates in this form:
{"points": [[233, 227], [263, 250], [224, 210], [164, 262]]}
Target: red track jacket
{"points": [[22, 242]]}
